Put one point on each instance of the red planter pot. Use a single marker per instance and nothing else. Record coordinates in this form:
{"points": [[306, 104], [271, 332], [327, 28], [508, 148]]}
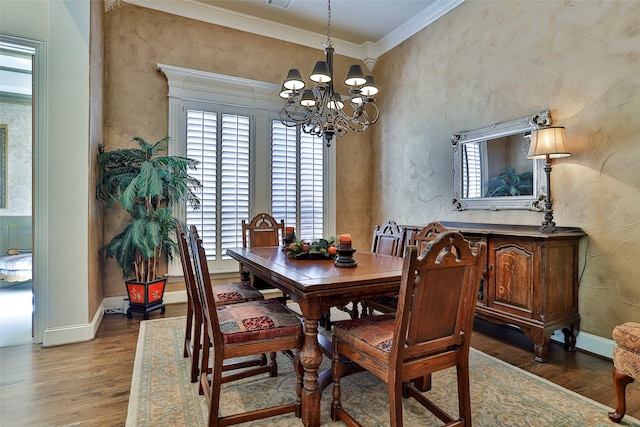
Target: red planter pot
{"points": [[145, 297]]}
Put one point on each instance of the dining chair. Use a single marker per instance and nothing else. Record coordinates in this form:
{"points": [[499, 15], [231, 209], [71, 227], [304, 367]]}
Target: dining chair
{"points": [[237, 331], [430, 331], [263, 230], [420, 239], [228, 293], [426, 234], [387, 239]]}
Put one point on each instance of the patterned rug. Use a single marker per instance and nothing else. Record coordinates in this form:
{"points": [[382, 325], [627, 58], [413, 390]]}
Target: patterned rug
{"points": [[502, 395]]}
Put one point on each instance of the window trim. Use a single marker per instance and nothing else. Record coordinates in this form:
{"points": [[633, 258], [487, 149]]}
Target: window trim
{"points": [[189, 86]]}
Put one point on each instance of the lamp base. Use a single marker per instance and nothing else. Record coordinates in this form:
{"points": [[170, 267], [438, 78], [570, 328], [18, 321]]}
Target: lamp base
{"points": [[548, 227]]}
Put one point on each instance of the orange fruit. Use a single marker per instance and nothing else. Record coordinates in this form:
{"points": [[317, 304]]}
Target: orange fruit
{"points": [[331, 250]]}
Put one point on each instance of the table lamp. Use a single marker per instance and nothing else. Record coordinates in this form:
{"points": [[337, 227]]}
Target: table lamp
{"points": [[548, 143]]}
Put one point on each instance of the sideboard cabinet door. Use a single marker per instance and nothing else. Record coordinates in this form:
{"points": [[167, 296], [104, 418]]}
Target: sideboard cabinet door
{"points": [[512, 279]]}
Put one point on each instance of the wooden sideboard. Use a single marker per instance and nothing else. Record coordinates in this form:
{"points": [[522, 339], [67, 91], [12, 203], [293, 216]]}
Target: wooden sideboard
{"points": [[531, 279]]}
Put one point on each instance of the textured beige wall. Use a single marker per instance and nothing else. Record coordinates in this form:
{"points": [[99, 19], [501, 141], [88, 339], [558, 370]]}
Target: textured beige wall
{"points": [[487, 62], [136, 97]]}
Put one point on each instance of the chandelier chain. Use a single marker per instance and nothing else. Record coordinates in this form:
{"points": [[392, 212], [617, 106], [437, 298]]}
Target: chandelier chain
{"points": [[328, 22]]}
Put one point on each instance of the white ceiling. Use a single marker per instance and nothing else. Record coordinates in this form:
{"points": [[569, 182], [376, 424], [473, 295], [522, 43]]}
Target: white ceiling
{"points": [[355, 21], [363, 29]]}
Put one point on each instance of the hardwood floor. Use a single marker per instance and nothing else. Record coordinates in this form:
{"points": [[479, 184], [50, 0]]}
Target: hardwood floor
{"points": [[87, 384]]}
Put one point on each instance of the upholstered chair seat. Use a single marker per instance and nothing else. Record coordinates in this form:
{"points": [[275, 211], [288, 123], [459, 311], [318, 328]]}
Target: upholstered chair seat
{"points": [[259, 320], [231, 293], [626, 363], [373, 334]]}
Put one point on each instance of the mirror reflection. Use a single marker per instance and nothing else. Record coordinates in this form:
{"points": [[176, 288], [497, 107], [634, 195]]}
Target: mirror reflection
{"points": [[491, 169], [498, 169]]}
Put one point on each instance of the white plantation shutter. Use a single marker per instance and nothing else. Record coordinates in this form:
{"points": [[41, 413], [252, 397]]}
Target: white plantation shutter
{"points": [[202, 146], [297, 181], [223, 153], [284, 172], [471, 170], [311, 188], [234, 185]]}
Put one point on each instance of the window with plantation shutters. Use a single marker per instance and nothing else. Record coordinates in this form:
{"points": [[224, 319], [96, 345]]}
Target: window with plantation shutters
{"points": [[297, 180], [249, 162], [220, 142]]}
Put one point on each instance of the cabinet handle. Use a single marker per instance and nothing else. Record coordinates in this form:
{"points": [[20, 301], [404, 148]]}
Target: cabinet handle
{"points": [[489, 267]]}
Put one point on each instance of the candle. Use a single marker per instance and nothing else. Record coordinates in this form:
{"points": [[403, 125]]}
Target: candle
{"points": [[289, 233], [345, 241], [289, 236]]}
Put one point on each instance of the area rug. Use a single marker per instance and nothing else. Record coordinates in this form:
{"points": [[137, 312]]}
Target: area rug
{"points": [[502, 395]]}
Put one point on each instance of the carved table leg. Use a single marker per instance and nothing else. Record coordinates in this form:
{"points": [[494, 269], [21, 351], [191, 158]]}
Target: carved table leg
{"points": [[311, 357]]}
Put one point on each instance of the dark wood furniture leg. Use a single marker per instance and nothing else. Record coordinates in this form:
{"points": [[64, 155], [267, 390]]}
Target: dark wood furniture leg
{"points": [[569, 339], [620, 381], [310, 358]]}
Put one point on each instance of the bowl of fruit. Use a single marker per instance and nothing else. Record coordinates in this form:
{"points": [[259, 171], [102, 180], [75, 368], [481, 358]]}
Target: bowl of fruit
{"points": [[322, 249]]}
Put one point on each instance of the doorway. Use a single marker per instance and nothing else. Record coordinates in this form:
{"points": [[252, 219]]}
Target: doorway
{"points": [[16, 190]]}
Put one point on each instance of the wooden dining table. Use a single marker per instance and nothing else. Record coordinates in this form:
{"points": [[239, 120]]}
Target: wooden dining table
{"points": [[318, 285]]}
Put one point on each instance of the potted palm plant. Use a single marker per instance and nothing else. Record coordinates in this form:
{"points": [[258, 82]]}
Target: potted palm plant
{"points": [[146, 185]]}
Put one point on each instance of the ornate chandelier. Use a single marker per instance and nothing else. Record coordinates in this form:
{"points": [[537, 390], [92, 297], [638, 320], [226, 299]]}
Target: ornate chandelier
{"points": [[319, 111]]}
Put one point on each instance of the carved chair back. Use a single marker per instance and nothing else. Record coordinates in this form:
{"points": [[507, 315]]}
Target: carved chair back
{"points": [[387, 239], [262, 230]]}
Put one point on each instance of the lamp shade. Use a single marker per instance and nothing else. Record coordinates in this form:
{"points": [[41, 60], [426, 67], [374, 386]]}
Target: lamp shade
{"points": [[294, 80], [549, 141], [355, 77], [320, 73], [308, 100], [285, 93], [369, 89]]}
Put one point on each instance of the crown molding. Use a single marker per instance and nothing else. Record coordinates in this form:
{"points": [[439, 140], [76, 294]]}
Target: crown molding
{"points": [[368, 52], [239, 21], [421, 20]]}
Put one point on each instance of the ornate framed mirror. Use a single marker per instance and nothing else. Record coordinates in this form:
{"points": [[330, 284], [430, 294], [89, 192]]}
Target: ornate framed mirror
{"points": [[491, 169]]}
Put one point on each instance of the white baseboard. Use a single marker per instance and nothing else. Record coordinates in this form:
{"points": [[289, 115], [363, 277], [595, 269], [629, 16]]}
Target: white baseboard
{"points": [[590, 343], [73, 333]]}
